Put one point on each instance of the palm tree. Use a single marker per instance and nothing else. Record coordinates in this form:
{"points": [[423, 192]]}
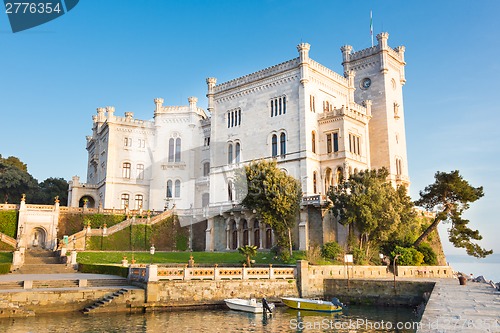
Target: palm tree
{"points": [[248, 251]]}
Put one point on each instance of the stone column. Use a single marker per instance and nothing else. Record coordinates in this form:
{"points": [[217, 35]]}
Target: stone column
{"points": [[209, 242], [228, 230]]}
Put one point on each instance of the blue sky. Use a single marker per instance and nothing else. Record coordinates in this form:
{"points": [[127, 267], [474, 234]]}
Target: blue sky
{"points": [[125, 53]]}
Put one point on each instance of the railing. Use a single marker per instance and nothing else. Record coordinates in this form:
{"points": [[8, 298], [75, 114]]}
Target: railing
{"points": [[8, 240], [158, 273], [9, 207]]}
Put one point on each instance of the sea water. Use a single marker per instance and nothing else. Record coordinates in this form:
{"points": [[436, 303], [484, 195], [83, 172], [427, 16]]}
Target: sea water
{"points": [[488, 267], [354, 319]]}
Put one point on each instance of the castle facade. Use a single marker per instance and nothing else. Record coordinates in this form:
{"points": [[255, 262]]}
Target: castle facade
{"points": [[318, 125]]}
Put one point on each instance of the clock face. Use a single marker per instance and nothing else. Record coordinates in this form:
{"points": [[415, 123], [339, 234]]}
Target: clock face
{"points": [[366, 83]]}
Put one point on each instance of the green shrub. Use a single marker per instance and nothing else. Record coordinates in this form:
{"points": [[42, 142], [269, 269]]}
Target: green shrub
{"points": [[103, 269], [331, 250], [408, 256], [430, 257], [181, 242]]}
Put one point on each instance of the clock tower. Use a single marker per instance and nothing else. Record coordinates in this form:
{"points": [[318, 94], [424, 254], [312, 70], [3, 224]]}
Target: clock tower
{"points": [[380, 76]]}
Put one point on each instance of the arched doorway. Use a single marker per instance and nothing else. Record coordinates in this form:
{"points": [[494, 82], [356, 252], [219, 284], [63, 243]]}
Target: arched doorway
{"points": [[256, 233], [37, 238], [88, 200], [245, 233], [234, 229], [269, 238]]}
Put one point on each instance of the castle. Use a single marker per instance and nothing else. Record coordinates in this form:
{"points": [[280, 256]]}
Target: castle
{"points": [[318, 125]]}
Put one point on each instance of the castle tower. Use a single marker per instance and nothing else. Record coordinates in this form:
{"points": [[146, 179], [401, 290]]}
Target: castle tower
{"points": [[380, 78]]}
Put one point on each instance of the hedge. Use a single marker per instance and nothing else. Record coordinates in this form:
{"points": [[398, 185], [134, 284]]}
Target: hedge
{"points": [[8, 222], [4, 268], [103, 269]]}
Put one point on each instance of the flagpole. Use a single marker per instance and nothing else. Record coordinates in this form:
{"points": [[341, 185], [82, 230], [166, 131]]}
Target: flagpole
{"points": [[371, 26]]}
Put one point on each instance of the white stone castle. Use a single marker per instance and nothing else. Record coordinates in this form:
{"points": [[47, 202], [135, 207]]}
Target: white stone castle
{"points": [[318, 125]]}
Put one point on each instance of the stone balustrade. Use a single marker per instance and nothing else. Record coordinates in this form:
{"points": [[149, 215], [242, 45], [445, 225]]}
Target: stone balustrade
{"points": [[159, 273]]}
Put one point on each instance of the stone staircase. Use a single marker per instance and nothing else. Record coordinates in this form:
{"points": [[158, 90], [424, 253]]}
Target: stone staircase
{"points": [[43, 262], [102, 304]]}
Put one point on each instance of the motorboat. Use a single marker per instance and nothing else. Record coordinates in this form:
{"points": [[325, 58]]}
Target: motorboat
{"points": [[313, 304], [249, 305]]}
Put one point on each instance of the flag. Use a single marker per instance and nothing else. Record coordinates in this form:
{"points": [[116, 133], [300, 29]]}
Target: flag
{"points": [[371, 26]]}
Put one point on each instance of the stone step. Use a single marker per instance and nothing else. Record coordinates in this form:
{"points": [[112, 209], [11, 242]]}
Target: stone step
{"points": [[11, 285], [44, 269], [55, 284], [104, 301], [108, 282]]}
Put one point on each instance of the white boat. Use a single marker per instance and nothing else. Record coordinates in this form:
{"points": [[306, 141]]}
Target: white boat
{"points": [[248, 305]]}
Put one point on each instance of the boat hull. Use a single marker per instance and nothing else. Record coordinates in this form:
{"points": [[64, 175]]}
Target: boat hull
{"points": [[251, 306], [311, 305]]}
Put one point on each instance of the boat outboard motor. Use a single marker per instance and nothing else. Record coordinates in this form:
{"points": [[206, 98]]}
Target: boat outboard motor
{"points": [[266, 306], [337, 302]]}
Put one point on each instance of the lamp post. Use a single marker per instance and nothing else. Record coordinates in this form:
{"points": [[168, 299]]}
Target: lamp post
{"points": [[152, 252], [74, 243], [394, 268]]}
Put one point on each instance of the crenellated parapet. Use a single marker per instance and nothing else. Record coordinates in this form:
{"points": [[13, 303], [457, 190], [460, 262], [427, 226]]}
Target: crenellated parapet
{"points": [[270, 71], [353, 111]]}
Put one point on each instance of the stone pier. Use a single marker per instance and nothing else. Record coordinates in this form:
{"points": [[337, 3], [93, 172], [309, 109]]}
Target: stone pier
{"points": [[474, 307]]}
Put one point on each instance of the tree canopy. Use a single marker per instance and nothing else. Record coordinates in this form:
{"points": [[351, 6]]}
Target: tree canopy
{"points": [[450, 195], [375, 209], [274, 195], [16, 181]]}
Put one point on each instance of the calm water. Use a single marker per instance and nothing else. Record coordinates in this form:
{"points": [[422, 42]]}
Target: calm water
{"points": [[356, 319], [488, 267]]}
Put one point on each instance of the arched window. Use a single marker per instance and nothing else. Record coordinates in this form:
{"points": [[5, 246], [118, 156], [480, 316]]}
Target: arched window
{"points": [[283, 144], [177, 188], [274, 145], [126, 170], [171, 150], [238, 152], [230, 154], [338, 176], [313, 141], [138, 201], [125, 200], [169, 189], [328, 179], [315, 187], [178, 149]]}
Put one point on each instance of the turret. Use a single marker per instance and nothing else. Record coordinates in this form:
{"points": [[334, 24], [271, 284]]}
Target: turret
{"points": [[303, 49], [211, 81], [346, 52], [159, 105]]}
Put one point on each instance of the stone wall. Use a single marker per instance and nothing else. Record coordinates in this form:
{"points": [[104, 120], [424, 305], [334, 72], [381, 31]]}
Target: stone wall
{"points": [[48, 301], [186, 293], [312, 278], [378, 292]]}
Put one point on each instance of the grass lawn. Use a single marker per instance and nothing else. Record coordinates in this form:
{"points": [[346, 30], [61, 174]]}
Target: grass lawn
{"points": [[206, 258], [6, 257]]}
